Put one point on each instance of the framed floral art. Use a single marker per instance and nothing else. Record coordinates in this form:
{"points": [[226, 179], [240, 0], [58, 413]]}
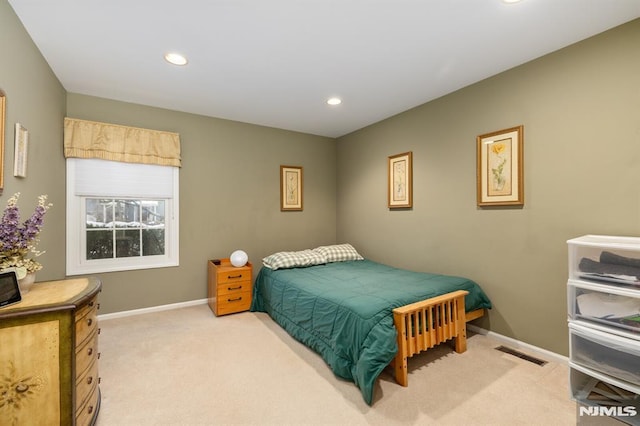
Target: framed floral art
{"points": [[400, 181], [2, 120], [291, 188], [20, 151], [500, 178]]}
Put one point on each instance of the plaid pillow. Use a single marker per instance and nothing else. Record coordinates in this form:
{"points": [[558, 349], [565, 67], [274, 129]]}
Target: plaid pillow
{"points": [[339, 253], [293, 259]]}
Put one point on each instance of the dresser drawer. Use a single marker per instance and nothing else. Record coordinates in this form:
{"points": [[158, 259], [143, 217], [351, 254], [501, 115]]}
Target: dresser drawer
{"points": [[85, 413], [236, 302], [611, 308], [86, 354], [92, 304], [86, 383], [229, 275], [229, 288], [609, 354], [86, 322]]}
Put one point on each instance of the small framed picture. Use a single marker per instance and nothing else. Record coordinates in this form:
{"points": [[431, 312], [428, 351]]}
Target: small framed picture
{"points": [[500, 179], [400, 181], [20, 152], [290, 188], [3, 102]]}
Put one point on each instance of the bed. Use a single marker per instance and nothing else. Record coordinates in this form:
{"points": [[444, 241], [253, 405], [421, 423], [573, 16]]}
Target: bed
{"points": [[360, 315]]}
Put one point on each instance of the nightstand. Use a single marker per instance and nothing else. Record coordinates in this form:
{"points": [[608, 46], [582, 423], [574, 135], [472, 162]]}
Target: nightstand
{"points": [[229, 287]]}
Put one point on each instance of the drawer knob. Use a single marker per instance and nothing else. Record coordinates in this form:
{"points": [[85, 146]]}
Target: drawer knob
{"points": [[89, 380], [90, 351], [89, 322], [90, 409], [234, 288], [230, 277]]}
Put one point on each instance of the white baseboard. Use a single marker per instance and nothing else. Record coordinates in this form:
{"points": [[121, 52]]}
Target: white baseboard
{"points": [[152, 309], [517, 344]]}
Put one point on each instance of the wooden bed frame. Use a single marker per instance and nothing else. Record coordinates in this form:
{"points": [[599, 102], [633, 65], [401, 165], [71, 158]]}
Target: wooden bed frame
{"points": [[425, 324]]}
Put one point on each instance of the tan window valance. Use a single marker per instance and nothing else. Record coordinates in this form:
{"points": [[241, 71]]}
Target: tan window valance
{"points": [[91, 139]]}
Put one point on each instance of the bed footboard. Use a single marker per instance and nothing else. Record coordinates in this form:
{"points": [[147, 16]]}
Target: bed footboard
{"points": [[425, 324]]}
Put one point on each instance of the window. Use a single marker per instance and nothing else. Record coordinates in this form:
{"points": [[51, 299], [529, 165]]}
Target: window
{"points": [[120, 216], [118, 228]]}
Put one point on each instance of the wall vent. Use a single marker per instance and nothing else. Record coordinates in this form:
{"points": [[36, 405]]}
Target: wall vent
{"points": [[521, 355]]}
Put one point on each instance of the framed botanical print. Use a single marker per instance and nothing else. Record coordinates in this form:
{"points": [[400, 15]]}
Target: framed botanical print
{"points": [[499, 171], [20, 151], [2, 117], [290, 188], [400, 181]]}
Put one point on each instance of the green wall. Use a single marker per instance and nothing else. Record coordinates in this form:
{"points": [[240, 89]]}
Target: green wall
{"points": [[229, 182], [229, 197], [580, 108], [36, 99]]}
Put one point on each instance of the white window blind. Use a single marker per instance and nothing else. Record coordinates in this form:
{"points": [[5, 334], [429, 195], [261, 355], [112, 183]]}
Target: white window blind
{"points": [[110, 183], [115, 179]]}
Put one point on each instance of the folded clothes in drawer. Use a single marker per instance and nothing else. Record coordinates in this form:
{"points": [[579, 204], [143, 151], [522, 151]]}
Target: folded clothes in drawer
{"points": [[609, 306], [607, 353]]}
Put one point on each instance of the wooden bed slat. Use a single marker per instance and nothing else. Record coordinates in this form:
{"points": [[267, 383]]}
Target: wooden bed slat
{"points": [[425, 324]]}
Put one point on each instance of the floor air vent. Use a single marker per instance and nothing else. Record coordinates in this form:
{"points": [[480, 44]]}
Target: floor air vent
{"points": [[521, 355]]}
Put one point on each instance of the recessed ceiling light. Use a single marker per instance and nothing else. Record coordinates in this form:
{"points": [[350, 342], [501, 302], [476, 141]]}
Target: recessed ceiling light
{"points": [[175, 59], [334, 101]]}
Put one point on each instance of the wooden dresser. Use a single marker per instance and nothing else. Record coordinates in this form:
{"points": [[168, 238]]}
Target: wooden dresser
{"points": [[49, 355], [229, 287]]}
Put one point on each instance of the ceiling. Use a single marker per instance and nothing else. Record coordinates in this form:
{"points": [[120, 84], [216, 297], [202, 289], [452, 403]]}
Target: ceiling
{"points": [[276, 62]]}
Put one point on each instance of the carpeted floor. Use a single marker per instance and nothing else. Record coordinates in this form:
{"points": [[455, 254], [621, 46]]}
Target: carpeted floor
{"points": [[188, 367]]}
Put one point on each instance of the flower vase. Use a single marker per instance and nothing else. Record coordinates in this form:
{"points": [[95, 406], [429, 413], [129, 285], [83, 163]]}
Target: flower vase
{"points": [[27, 282]]}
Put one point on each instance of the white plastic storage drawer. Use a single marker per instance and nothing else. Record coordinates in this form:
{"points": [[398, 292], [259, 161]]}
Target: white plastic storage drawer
{"points": [[606, 259], [593, 389], [607, 353], [611, 308]]}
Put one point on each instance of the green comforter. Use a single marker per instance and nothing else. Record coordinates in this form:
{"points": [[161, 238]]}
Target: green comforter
{"points": [[342, 310]]}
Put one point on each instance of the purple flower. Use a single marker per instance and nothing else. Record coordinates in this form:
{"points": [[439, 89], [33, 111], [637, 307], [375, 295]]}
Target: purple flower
{"points": [[17, 239]]}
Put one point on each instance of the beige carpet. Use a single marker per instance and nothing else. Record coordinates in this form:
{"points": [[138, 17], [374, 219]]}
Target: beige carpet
{"points": [[188, 367]]}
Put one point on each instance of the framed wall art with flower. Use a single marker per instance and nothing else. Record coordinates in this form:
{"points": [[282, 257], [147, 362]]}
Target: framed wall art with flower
{"points": [[3, 102], [400, 181], [291, 188], [500, 177]]}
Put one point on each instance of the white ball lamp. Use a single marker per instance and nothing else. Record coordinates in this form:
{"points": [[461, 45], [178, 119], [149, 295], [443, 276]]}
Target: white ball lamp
{"points": [[238, 258]]}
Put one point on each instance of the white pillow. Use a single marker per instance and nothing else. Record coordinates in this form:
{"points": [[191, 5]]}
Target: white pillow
{"points": [[339, 253], [294, 259]]}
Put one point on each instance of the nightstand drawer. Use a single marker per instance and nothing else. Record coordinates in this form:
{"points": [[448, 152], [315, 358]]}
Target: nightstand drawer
{"points": [[236, 302], [229, 275], [233, 288]]}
